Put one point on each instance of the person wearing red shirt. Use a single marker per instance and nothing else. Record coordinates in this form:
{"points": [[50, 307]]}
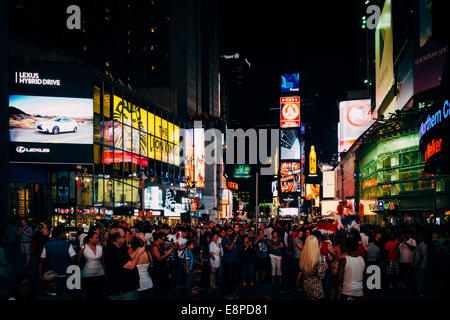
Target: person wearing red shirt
{"points": [[393, 266]]}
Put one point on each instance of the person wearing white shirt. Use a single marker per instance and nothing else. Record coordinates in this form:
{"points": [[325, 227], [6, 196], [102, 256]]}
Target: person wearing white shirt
{"points": [[93, 272], [215, 251]]}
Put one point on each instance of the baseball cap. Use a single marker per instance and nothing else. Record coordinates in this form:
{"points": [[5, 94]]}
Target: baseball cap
{"points": [[49, 275]]}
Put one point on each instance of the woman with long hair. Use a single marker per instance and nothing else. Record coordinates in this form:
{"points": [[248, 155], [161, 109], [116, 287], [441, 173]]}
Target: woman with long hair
{"points": [[313, 268]]}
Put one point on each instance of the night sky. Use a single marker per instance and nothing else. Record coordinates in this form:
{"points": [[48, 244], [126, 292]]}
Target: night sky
{"points": [[318, 39]]}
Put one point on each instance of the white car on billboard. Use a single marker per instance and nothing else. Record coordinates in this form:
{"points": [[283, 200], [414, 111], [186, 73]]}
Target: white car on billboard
{"points": [[58, 125]]}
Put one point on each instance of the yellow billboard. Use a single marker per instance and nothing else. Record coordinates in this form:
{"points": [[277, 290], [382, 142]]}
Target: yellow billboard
{"points": [[384, 61], [141, 132]]}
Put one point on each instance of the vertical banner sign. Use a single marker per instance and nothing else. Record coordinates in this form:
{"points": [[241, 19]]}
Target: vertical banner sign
{"points": [[290, 112], [384, 61]]}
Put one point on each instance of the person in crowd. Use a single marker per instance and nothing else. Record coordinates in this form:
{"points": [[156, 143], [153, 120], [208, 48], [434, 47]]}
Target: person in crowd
{"points": [[248, 267], [420, 264], [25, 234], [297, 248], [160, 273], [313, 269], [144, 264], [393, 258], [351, 272], [215, 253], [4, 268], [275, 246], [58, 254], [41, 238], [180, 245], [93, 272], [24, 289], [373, 252], [51, 288], [188, 267], [230, 264], [338, 252], [406, 249], [122, 276], [262, 256], [10, 241], [268, 232]]}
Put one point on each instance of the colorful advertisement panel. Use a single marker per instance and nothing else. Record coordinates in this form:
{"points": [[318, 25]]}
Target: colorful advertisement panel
{"points": [[140, 134], [290, 112], [290, 177], [429, 55], [51, 110], [355, 118], [165, 200], [194, 157], [290, 82], [312, 191], [384, 62], [290, 144], [242, 171]]}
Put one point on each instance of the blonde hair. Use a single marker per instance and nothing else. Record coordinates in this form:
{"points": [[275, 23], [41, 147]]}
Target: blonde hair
{"points": [[310, 255]]}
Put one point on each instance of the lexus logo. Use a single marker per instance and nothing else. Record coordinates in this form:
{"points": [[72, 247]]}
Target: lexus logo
{"points": [[22, 149]]}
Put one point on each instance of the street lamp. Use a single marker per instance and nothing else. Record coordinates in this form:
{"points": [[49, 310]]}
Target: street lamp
{"points": [[342, 174]]}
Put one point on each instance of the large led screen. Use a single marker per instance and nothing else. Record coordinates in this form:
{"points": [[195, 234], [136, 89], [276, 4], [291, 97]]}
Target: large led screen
{"points": [[290, 177], [290, 144], [290, 82], [290, 112], [51, 113], [355, 118]]}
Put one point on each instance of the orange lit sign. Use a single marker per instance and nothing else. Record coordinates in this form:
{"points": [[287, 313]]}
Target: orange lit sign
{"points": [[433, 148], [233, 185], [290, 112], [370, 183]]}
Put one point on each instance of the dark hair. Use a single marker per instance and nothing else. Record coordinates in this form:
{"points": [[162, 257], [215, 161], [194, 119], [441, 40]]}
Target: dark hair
{"points": [[136, 243], [89, 236], [113, 237], [58, 231], [274, 231], [158, 236], [165, 226], [351, 244], [189, 243]]}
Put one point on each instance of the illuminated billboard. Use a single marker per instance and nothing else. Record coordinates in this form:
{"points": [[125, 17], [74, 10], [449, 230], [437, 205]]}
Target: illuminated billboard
{"points": [[288, 211], [290, 144], [290, 177], [328, 184], [165, 200], [290, 82], [51, 112], [140, 134], [242, 171], [313, 193], [355, 118], [290, 112], [194, 156], [429, 55], [384, 61]]}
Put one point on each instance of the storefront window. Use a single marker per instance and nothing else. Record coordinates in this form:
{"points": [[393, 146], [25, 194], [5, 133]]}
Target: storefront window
{"points": [[118, 193]]}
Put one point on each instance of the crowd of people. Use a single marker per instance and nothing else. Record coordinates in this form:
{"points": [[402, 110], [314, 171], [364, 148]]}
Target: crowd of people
{"points": [[154, 261]]}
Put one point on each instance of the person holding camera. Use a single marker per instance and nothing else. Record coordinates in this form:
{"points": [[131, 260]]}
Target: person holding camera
{"points": [[161, 272]]}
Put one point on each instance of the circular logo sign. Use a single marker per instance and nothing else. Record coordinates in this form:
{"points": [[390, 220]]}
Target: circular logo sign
{"points": [[291, 111], [20, 149], [358, 114]]}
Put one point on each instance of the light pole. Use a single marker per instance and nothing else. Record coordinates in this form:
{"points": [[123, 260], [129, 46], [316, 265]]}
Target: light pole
{"points": [[342, 174]]}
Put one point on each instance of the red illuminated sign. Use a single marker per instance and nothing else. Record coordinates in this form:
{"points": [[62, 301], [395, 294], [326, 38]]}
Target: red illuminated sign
{"points": [[233, 185], [290, 112], [370, 183], [433, 148]]}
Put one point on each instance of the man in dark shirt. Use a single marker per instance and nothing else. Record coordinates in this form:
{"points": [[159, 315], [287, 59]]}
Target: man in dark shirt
{"points": [[122, 276], [230, 263]]}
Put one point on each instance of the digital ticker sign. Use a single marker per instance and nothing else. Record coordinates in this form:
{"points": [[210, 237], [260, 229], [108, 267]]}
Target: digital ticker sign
{"points": [[51, 113]]}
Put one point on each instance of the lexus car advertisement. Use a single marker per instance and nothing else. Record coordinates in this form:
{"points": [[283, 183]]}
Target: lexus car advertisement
{"points": [[51, 113]]}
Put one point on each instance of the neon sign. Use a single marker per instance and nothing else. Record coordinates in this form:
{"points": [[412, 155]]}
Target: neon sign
{"points": [[381, 205], [433, 148], [435, 119]]}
